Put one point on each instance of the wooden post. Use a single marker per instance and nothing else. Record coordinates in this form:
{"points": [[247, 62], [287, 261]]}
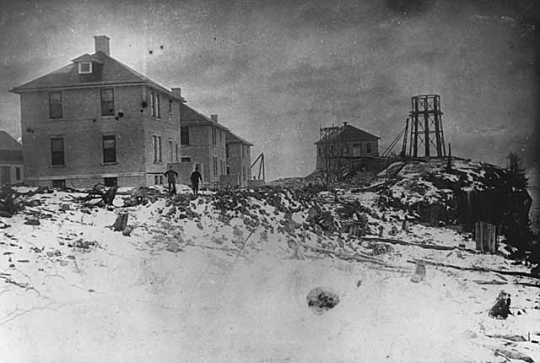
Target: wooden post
{"points": [[121, 222], [478, 236], [449, 162], [485, 235], [492, 238]]}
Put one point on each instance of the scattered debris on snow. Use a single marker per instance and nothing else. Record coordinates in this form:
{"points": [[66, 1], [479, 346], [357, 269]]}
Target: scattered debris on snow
{"points": [[237, 266]]}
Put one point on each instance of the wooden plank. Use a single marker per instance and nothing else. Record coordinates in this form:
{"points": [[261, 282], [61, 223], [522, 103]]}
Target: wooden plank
{"points": [[420, 245], [481, 269]]}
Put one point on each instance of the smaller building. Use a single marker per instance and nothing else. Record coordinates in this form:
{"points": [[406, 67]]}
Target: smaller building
{"points": [[11, 160], [345, 146], [202, 145], [238, 153]]}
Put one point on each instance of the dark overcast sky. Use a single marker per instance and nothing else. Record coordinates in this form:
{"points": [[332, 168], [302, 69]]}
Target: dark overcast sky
{"points": [[275, 71]]}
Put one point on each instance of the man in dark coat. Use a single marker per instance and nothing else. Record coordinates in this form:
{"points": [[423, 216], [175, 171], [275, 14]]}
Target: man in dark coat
{"points": [[195, 178], [171, 179]]}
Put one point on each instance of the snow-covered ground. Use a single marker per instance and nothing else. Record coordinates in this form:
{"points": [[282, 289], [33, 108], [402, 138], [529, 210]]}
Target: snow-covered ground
{"points": [[194, 282]]}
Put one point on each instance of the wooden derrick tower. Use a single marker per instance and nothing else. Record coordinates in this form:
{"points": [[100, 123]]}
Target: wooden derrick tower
{"points": [[426, 131]]}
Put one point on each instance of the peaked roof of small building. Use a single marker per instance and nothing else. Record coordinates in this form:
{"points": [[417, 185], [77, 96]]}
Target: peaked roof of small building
{"points": [[233, 139], [87, 58], [113, 72], [7, 142], [348, 133], [191, 117]]}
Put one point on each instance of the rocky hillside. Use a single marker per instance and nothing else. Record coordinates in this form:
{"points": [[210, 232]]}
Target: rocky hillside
{"points": [[251, 276], [461, 193]]}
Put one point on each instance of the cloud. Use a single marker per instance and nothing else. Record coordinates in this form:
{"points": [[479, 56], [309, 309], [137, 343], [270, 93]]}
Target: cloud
{"points": [[275, 71], [409, 7], [332, 16]]}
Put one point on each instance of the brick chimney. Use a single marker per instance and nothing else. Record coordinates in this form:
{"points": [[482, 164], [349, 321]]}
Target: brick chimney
{"points": [[177, 92], [214, 118], [102, 44]]}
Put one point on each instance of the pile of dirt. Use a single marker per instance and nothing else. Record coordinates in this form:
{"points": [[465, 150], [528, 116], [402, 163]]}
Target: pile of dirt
{"points": [[13, 201], [463, 194], [143, 196]]}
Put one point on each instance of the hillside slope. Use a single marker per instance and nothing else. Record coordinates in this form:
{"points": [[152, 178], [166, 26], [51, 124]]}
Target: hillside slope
{"points": [[224, 277]]}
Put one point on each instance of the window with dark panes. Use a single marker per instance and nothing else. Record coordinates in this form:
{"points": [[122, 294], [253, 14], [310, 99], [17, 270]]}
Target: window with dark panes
{"points": [[59, 183], [153, 103], [159, 149], [170, 106], [213, 135], [186, 159], [107, 102], [184, 135], [18, 173], [57, 151], [368, 148], [110, 182], [171, 151], [154, 144], [55, 104], [158, 105], [109, 148]]}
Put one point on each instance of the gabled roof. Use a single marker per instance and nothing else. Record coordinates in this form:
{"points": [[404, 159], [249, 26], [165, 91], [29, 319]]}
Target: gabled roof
{"points": [[113, 72], [87, 58], [7, 142], [348, 133], [191, 117], [235, 139]]}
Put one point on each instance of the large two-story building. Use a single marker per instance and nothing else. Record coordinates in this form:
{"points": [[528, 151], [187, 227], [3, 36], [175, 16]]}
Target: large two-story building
{"points": [[98, 121]]}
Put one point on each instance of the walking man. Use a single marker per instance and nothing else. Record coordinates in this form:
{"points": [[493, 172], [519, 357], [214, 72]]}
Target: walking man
{"points": [[171, 179], [195, 178]]}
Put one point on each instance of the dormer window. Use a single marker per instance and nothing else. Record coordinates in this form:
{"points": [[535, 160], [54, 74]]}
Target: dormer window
{"points": [[85, 67]]}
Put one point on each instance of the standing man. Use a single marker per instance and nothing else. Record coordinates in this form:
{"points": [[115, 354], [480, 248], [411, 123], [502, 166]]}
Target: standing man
{"points": [[195, 178], [171, 179]]}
